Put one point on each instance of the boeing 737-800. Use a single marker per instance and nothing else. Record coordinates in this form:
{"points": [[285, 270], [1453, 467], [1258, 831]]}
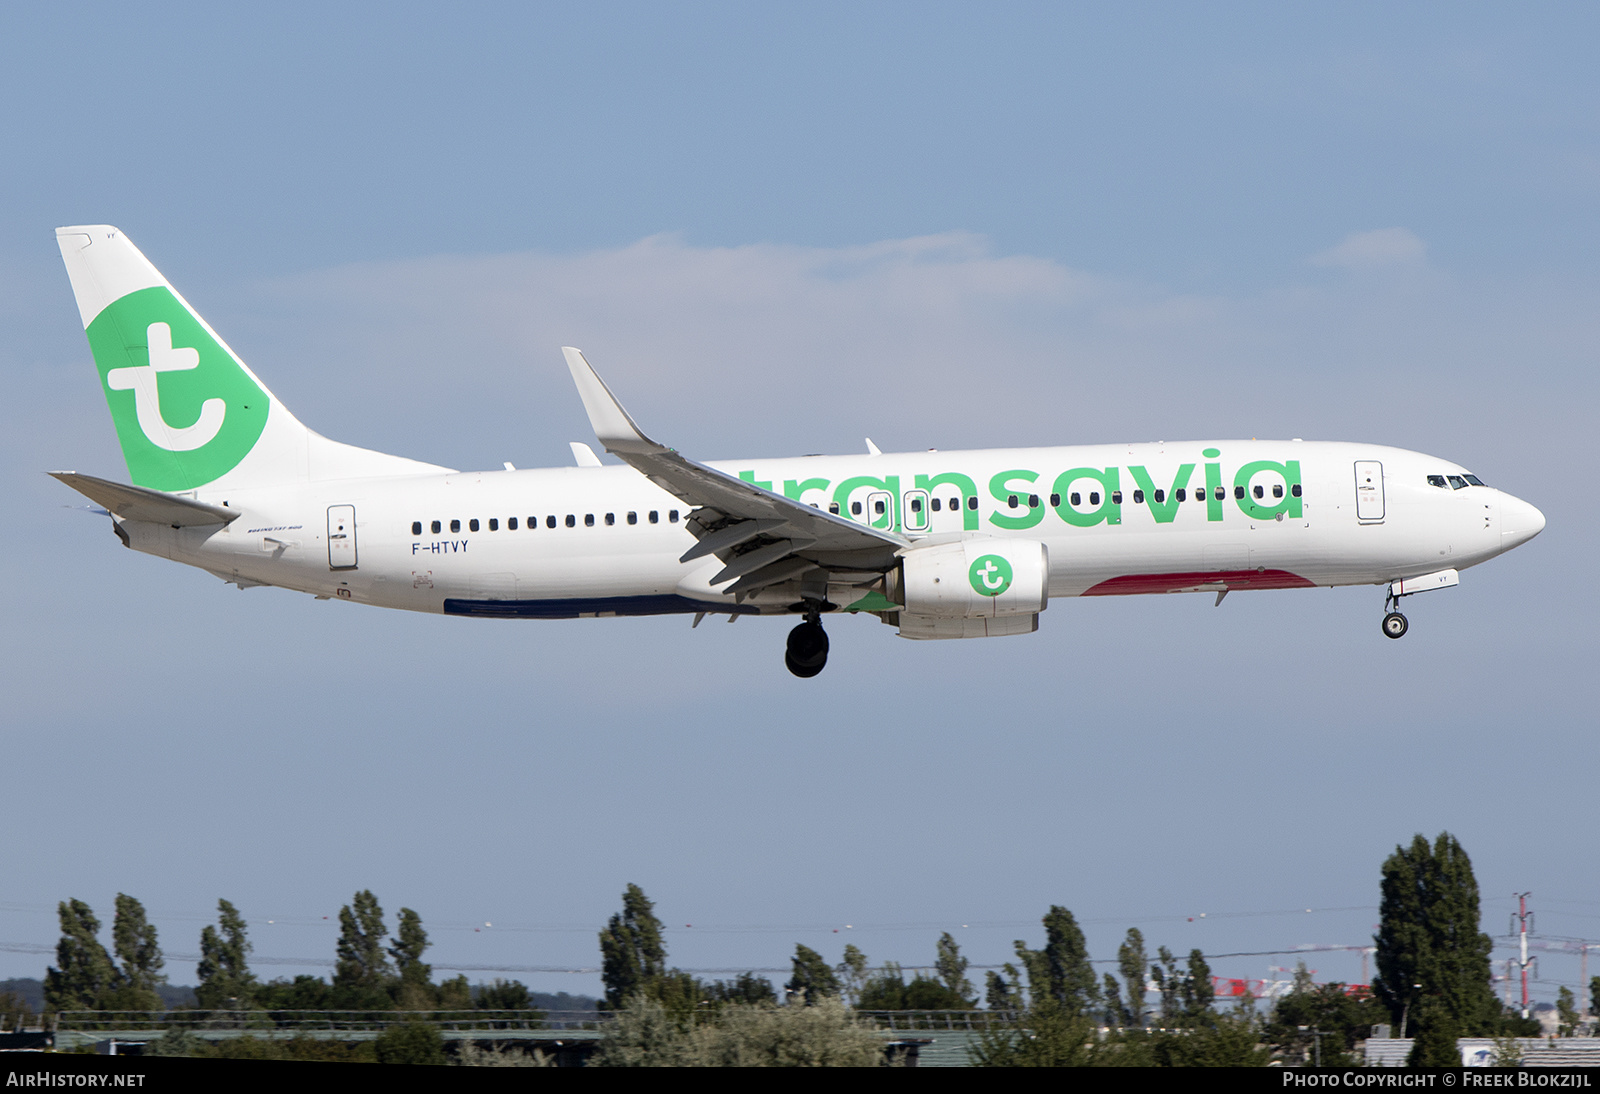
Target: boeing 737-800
{"points": [[937, 544]]}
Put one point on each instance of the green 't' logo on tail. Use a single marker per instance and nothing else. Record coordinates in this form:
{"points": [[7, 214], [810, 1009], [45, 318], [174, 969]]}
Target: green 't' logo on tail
{"points": [[185, 412]]}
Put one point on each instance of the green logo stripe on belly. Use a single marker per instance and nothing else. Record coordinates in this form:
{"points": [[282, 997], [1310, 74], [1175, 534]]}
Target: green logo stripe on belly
{"points": [[185, 412]]}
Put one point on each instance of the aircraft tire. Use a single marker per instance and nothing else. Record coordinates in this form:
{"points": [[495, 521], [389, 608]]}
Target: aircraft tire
{"points": [[807, 651], [805, 672], [1395, 625]]}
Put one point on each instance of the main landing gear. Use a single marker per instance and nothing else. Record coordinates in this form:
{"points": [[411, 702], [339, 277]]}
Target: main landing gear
{"points": [[807, 652], [1394, 624]]}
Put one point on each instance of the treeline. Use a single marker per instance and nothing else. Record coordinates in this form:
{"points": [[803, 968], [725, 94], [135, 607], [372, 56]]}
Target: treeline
{"points": [[1050, 1008], [373, 970]]}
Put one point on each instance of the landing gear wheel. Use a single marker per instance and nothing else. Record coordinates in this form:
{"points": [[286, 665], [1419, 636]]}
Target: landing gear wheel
{"points": [[807, 652], [1395, 625]]}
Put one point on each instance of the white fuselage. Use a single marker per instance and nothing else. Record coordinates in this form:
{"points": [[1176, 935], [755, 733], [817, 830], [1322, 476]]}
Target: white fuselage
{"points": [[617, 538]]}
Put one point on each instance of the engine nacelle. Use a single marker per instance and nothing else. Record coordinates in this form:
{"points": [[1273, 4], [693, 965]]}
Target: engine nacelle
{"points": [[979, 578]]}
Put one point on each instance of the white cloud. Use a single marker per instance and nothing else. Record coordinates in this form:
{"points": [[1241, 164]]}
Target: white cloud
{"points": [[1377, 248]]}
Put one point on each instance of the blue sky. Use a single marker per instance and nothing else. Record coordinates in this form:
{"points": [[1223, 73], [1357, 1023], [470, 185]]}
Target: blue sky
{"points": [[779, 231]]}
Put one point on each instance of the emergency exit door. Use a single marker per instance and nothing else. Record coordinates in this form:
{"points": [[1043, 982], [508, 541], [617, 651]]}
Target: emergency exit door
{"points": [[341, 537]]}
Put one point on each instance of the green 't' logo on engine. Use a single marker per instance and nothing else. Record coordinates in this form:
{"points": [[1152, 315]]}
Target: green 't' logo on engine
{"points": [[990, 575], [185, 411]]}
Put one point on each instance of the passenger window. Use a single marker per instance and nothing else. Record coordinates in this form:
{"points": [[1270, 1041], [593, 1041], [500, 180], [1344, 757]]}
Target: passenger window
{"points": [[855, 508], [1181, 494], [455, 526], [472, 525], [1259, 492], [1161, 496], [877, 508], [1055, 501], [1075, 498], [1138, 497], [436, 528], [416, 527], [1094, 497], [550, 521], [1221, 494], [936, 504], [633, 518], [1012, 501], [655, 517], [1295, 490], [572, 521], [1033, 501], [494, 524], [916, 505], [972, 502], [672, 516], [611, 518], [833, 507], [1116, 497], [588, 520], [1238, 493], [1277, 489], [511, 524], [1437, 480]]}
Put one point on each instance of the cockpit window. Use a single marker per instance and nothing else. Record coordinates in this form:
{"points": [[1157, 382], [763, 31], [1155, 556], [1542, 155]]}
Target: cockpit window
{"points": [[1473, 480], [1457, 482], [1438, 480]]}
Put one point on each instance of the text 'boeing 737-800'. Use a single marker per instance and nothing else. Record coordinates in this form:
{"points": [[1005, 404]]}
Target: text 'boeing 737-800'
{"points": [[937, 544]]}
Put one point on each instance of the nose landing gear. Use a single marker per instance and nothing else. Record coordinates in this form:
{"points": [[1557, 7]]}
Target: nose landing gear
{"points": [[807, 652], [1395, 625]]}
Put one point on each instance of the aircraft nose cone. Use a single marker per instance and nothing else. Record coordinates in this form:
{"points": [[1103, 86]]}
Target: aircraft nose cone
{"points": [[1519, 522]]}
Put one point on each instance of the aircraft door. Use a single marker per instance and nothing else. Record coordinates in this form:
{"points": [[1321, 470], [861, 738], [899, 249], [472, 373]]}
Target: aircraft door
{"points": [[880, 510], [1369, 491], [341, 537], [914, 515]]}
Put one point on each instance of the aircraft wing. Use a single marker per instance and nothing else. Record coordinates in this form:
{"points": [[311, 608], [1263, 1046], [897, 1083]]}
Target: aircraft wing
{"points": [[764, 537], [138, 503]]}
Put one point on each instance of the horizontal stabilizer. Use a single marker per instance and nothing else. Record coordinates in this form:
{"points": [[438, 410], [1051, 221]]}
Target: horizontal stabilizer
{"points": [[138, 503]]}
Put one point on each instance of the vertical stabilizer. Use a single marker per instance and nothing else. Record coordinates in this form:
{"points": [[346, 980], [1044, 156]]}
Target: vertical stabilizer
{"points": [[188, 412]]}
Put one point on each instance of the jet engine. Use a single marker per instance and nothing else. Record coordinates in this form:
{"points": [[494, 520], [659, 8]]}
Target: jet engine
{"points": [[977, 578]]}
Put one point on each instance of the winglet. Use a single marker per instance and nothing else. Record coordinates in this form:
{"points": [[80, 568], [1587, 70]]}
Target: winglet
{"points": [[612, 425]]}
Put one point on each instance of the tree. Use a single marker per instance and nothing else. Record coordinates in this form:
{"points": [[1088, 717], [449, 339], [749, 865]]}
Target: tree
{"points": [[1429, 947], [813, 981], [888, 990], [503, 995], [1003, 992], [646, 1034], [361, 974], [748, 988], [1133, 964], [83, 974], [1048, 1034], [134, 938], [224, 970], [852, 973], [1321, 1019], [416, 979], [410, 1043], [1567, 1013], [632, 954], [1185, 996], [952, 970], [1061, 971]]}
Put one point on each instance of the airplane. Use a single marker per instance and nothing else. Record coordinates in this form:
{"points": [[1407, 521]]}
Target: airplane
{"points": [[939, 545]]}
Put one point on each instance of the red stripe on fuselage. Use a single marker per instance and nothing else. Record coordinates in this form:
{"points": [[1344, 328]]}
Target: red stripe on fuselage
{"points": [[1131, 584]]}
